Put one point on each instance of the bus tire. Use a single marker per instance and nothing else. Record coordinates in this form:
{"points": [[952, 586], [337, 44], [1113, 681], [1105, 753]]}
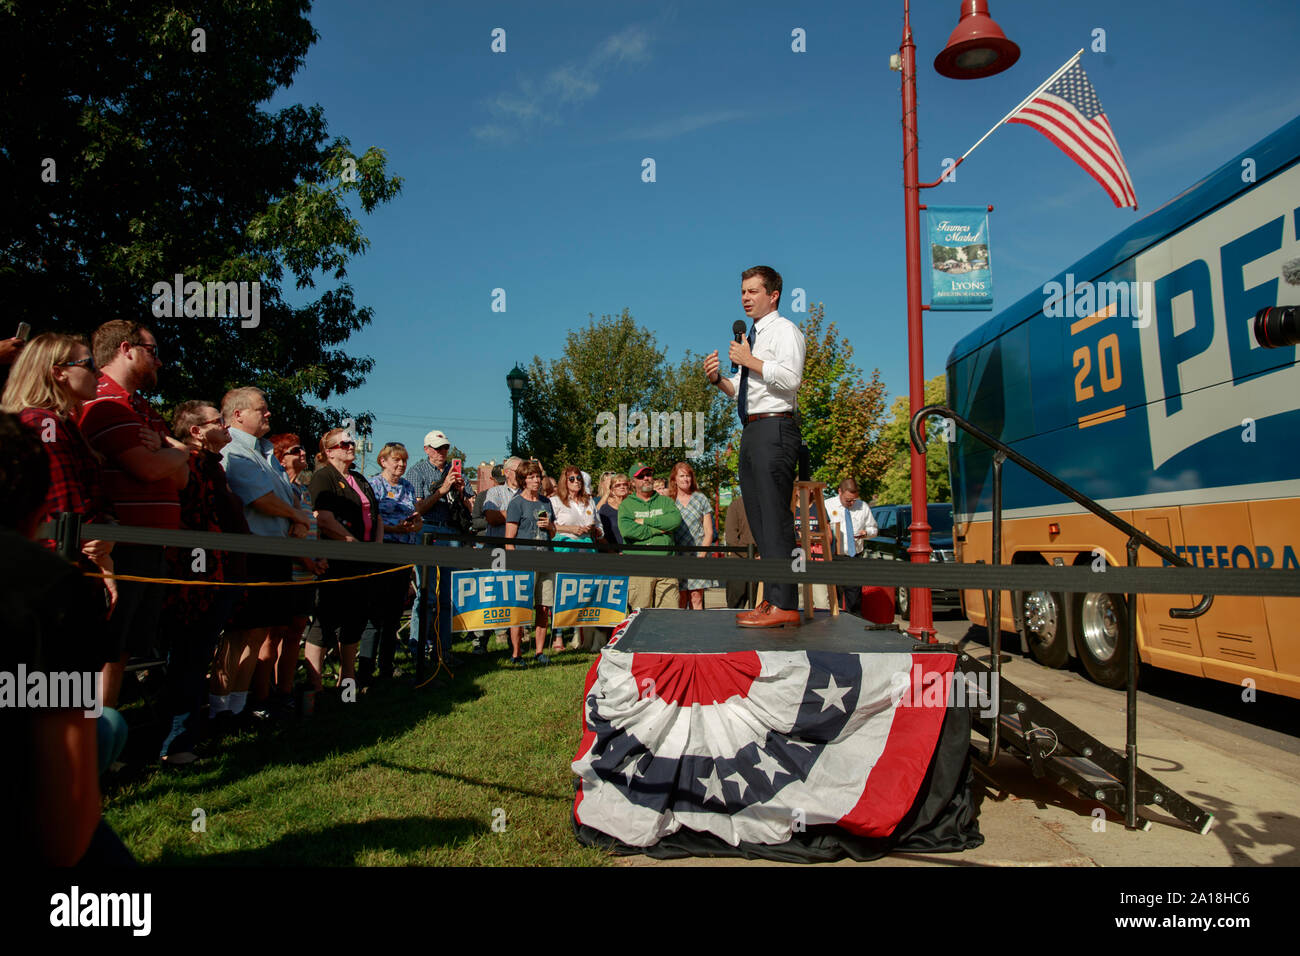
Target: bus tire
{"points": [[1044, 615], [1101, 629]]}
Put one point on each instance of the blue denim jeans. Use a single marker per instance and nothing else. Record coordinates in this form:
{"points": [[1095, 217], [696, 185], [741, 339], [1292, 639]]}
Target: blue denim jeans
{"points": [[439, 625], [110, 737]]}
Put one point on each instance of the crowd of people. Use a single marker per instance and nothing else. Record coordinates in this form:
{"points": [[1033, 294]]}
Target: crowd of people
{"points": [[233, 653]]}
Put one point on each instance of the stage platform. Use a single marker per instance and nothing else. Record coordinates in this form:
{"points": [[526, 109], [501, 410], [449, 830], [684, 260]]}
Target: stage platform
{"points": [[812, 743], [665, 631]]}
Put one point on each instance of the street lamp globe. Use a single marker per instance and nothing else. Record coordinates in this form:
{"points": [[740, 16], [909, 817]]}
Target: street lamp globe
{"points": [[517, 380], [977, 47]]}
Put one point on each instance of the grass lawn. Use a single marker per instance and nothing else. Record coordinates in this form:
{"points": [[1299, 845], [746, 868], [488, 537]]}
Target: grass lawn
{"points": [[401, 777]]}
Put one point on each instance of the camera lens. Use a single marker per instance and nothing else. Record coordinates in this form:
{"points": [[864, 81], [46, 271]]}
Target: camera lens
{"points": [[1278, 327]]}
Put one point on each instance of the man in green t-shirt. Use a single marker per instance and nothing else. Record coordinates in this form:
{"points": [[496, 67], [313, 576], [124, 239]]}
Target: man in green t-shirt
{"points": [[650, 519]]}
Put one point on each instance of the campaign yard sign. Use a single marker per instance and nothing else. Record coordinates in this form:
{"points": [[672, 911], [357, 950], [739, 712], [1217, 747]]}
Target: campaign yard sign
{"points": [[961, 278], [590, 600], [486, 600]]}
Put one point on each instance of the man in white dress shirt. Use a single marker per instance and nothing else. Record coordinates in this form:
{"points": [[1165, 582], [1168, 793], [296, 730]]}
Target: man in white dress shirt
{"points": [[766, 389], [854, 523]]}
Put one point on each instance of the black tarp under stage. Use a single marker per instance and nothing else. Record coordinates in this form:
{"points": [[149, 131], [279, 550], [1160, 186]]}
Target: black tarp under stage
{"points": [[701, 738]]}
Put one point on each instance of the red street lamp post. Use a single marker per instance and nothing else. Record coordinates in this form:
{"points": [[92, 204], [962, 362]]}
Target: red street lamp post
{"points": [[977, 48]]}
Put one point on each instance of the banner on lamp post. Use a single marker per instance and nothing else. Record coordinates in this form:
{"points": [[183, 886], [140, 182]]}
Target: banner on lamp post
{"points": [[961, 278]]}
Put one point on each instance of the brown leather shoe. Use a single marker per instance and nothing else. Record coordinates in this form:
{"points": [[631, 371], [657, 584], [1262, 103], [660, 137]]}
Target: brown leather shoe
{"points": [[768, 615]]}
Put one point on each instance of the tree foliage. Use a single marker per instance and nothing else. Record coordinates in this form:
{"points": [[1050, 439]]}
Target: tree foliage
{"points": [[609, 371], [165, 162], [896, 485], [841, 415]]}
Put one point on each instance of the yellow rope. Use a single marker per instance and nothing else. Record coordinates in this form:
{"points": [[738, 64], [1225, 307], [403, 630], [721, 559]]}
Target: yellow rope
{"points": [[437, 611], [246, 584]]}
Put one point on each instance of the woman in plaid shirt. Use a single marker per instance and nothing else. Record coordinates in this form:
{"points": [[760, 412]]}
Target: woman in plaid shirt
{"points": [[53, 375]]}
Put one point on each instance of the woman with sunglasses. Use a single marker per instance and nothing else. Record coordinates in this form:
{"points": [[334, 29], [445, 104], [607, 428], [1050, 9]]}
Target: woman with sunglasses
{"points": [[47, 385], [346, 510], [277, 661], [575, 520]]}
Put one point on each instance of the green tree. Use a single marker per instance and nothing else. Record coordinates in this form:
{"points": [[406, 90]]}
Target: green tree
{"points": [[609, 372], [840, 413], [896, 485], [136, 148], [940, 254]]}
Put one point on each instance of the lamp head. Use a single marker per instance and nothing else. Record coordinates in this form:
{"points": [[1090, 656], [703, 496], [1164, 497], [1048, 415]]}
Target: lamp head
{"points": [[978, 47]]}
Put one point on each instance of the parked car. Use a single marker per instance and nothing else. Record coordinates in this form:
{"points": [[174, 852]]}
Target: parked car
{"points": [[894, 538]]}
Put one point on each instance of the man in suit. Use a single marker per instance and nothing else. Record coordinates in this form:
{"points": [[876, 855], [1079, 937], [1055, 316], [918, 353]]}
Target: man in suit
{"points": [[766, 389], [740, 594], [853, 524]]}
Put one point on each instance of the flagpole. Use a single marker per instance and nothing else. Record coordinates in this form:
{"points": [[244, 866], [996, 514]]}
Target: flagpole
{"points": [[1045, 84]]}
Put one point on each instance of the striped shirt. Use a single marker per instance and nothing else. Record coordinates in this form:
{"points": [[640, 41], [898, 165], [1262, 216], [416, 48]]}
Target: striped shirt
{"points": [[111, 422]]}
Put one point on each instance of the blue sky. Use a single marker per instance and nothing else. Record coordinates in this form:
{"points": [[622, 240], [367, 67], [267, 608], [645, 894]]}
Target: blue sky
{"points": [[523, 169]]}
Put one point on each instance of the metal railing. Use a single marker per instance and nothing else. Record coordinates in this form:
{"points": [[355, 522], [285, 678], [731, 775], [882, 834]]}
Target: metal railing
{"points": [[1136, 538]]}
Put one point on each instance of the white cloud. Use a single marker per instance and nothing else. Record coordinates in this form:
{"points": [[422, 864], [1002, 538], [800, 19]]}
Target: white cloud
{"points": [[536, 102], [680, 125]]}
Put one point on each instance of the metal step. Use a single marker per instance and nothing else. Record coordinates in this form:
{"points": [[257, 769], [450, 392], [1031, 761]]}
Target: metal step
{"points": [[1057, 750]]}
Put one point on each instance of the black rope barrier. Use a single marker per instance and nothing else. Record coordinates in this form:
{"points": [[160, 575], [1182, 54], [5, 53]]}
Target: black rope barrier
{"points": [[841, 571]]}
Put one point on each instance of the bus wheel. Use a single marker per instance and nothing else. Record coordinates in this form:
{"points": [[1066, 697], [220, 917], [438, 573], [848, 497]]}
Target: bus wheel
{"points": [[1044, 618], [902, 599], [1102, 628]]}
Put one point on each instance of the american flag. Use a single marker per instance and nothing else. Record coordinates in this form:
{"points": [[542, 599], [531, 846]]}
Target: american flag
{"points": [[1069, 113], [753, 746]]}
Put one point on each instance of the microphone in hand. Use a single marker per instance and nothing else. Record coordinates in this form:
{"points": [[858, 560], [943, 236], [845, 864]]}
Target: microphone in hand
{"points": [[738, 330]]}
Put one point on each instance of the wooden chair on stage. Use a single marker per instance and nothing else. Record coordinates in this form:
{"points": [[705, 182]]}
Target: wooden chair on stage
{"points": [[810, 494]]}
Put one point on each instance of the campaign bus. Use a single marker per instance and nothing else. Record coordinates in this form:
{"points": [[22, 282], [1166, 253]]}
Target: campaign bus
{"points": [[1135, 376]]}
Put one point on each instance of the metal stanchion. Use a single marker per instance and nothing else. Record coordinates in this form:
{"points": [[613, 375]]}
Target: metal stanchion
{"points": [[67, 536], [421, 604], [1131, 700]]}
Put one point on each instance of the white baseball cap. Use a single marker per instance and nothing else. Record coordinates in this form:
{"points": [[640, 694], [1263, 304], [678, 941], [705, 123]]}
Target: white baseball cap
{"points": [[435, 439]]}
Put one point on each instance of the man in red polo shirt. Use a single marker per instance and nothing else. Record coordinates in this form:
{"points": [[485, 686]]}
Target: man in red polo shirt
{"points": [[143, 471]]}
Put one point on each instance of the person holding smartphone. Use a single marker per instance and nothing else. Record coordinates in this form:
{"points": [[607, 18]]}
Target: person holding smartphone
{"points": [[10, 349], [437, 487]]}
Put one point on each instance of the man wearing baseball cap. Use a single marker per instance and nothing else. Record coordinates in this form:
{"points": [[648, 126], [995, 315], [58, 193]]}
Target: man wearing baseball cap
{"points": [[437, 485], [649, 518]]}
